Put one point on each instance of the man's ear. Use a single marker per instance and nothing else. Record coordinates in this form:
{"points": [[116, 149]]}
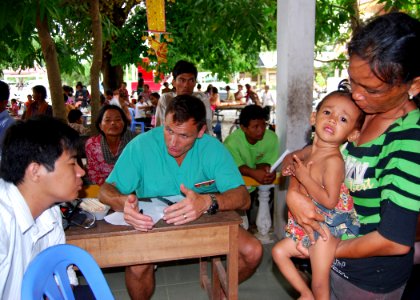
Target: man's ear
{"points": [[202, 131], [354, 135], [312, 118], [34, 171]]}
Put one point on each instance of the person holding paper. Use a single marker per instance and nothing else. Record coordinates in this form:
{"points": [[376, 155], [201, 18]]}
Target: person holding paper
{"points": [[178, 158], [254, 147]]}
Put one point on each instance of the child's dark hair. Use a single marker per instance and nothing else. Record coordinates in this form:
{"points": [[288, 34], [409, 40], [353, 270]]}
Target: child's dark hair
{"points": [[74, 115], [343, 90]]}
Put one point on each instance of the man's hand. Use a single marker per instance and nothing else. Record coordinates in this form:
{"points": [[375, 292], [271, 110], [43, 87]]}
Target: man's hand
{"points": [[305, 213], [133, 217], [262, 174], [187, 210]]}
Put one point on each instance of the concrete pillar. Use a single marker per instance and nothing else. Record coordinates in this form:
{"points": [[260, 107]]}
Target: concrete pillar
{"points": [[295, 66]]}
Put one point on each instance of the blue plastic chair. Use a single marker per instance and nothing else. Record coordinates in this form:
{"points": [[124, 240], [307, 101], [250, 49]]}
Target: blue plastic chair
{"points": [[47, 274], [134, 122]]}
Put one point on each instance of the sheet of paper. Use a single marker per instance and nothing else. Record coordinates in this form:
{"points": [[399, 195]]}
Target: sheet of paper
{"points": [[154, 209], [278, 162]]}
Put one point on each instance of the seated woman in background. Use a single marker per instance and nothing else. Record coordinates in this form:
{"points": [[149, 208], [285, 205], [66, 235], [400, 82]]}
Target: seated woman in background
{"points": [[103, 150], [76, 122], [39, 106]]}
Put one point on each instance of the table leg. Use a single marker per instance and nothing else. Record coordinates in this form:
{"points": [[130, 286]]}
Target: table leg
{"points": [[232, 263], [263, 216]]}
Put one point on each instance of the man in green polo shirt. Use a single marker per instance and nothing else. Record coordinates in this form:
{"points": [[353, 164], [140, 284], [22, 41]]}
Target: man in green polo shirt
{"points": [[176, 159]]}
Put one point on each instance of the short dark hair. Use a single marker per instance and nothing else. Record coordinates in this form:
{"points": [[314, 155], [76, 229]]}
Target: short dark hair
{"points": [[185, 107], [41, 139], [101, 117], [40, 89], [74, 115], [155, 94], [4, 91], [109, 93], [183, 66], [251, 112], [390, 44]]}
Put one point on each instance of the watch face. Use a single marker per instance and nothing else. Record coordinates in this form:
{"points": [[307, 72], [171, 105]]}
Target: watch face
{"points": [[214, 205]]}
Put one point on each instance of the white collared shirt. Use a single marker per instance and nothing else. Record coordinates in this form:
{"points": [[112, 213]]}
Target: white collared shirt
{"points": [[22, 238]]}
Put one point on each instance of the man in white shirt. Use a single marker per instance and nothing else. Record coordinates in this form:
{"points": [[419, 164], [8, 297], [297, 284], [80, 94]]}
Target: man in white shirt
{"points": [[185, 79], [267, 101], [38, 170]]}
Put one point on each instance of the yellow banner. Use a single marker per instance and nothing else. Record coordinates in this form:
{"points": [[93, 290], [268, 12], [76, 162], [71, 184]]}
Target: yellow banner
{"points": [[155, 10]]}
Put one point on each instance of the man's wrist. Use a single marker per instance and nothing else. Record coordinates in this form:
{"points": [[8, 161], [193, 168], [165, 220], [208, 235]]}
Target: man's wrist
{"points": [[214, 206]]}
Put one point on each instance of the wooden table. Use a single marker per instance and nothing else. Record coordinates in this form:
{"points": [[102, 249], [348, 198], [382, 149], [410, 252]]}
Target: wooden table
{"points": [[233, 106], [209, 236]]}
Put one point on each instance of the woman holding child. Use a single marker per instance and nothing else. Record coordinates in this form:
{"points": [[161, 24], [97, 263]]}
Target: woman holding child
{"points": [[382, 164]]}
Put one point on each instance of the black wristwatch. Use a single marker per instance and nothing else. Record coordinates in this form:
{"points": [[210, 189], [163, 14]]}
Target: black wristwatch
{"points": [[214, 206]]}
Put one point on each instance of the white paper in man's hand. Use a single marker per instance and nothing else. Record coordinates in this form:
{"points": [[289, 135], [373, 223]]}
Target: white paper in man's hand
{"points": [[278, 162], [154, 209]]}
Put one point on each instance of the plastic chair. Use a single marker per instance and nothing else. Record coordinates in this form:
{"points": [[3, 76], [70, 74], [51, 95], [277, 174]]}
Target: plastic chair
{"points": [[134, 122], [47, 274]]}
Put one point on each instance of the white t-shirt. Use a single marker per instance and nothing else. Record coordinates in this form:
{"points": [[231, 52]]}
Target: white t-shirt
{"points": [[115, 101], [167, 97], [22, 238], [267, 99], [140, 112]]}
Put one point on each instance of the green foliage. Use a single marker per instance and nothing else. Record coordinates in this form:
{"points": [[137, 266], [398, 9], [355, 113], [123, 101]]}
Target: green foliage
{"points": [[223, 37]]}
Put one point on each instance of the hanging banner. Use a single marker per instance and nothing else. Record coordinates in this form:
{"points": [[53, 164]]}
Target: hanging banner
{"points": [[155, 10]]}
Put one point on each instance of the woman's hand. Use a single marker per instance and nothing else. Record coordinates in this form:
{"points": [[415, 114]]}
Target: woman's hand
{"points": [[305, 213]]}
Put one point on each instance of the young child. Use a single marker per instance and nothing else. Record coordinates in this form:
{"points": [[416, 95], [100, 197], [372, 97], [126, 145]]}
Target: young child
{"points": [[320, 176]]}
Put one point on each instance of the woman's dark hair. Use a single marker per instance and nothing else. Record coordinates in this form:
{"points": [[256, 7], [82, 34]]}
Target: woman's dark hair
{"points": [[101, 116], [391, 45], [40, 89], [74, 115], [251, 112], [214, 90], [41, 139], [185, 107]]}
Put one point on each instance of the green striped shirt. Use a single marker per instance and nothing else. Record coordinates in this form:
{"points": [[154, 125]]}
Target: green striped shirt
{"points": [[383, 177]]}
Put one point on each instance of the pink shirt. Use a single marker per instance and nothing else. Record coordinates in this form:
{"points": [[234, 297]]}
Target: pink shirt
{"points": [[97, 169]]}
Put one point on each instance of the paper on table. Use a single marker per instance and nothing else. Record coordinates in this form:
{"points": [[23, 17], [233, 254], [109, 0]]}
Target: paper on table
{"points": [[278, 162], [154, 209]]}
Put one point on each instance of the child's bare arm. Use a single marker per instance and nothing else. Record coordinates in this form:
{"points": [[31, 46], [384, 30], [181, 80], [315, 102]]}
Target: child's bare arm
{"points": [[332, 177]]}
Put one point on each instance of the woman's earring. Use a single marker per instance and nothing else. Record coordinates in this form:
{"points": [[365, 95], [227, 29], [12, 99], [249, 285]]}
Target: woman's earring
{"points": [[410, 96]]}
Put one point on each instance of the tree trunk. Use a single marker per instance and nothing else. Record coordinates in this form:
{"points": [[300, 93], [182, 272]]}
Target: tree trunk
{"points": [[53, 69], [96, 61], [355, 18], [112, 75]]}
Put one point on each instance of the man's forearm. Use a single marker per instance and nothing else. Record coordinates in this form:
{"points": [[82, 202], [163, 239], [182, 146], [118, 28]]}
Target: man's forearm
{"points": [[233, 199], [108, 194]]}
